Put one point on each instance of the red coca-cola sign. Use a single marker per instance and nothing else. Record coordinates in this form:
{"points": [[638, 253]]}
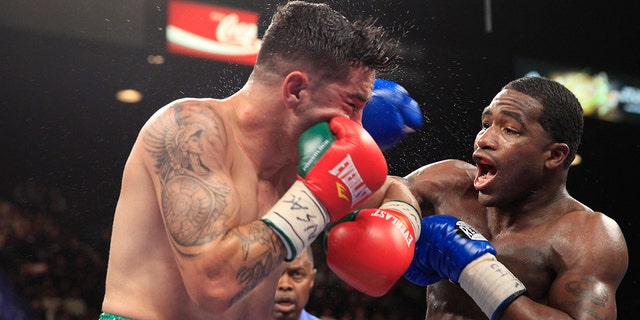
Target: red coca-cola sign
{"points": [[212, 32]]}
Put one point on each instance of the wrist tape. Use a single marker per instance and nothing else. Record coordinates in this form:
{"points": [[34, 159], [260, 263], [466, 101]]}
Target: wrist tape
{"points": [[409, 211], [298, 218], [491, 285]]}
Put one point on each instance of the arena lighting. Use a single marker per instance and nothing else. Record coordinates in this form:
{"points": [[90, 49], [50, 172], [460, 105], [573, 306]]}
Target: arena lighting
{"points": [[133, 95], [576, 161], [155, 59], [488, 21], [129, 96], [603, 95]]}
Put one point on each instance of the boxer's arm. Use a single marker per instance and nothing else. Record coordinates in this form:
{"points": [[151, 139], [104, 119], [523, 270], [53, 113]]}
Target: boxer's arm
{"points": [[394, 188], [594, 263], [219, 258], [433, 182]]}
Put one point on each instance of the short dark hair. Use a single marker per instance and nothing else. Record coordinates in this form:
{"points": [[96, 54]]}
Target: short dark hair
{"points": [[316, 36], [562, 114]]}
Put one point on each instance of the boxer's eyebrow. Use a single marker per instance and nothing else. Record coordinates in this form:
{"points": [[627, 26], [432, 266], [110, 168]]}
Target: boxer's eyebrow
{"points": [[515, 116], [358, 96]]}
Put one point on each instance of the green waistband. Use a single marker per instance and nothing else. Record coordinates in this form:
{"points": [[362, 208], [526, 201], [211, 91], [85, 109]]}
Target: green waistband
{"points": [[108, 316]]}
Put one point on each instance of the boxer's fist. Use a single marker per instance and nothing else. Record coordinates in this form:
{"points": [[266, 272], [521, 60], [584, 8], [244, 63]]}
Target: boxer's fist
{"points": [[391, 113], [446, 246], [451, 249], [341, 164], [370, 249]]}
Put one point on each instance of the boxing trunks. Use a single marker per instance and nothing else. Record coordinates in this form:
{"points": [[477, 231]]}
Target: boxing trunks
{"points": [[108, 316]]}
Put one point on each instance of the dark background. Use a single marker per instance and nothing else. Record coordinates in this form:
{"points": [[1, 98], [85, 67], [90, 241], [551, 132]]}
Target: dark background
{"points": [[61, 64]]}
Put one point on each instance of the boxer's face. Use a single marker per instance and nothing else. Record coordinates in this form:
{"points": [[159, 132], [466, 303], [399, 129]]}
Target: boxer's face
{"points": [[511, 149], [345, 97]]}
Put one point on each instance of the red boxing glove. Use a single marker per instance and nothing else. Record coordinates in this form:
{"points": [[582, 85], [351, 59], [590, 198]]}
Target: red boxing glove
{"points": [[370, 249], [339, 167], [341, 171]]}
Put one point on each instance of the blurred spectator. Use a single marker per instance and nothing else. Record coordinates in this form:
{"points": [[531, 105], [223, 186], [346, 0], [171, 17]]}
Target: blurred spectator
{"points": [[294, 288], [53, 273], [11, 308]]}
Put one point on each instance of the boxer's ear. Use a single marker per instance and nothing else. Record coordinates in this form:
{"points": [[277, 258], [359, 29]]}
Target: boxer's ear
{"points": [[293, 88], [558, 152]]}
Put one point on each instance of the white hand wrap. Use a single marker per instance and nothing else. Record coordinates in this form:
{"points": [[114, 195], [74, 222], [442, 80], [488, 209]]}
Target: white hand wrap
{"points": [[298, 218], [409, 211], [491, 285]]}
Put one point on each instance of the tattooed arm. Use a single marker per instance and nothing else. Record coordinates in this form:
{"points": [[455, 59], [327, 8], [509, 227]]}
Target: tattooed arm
{"points": [[220, 258]]}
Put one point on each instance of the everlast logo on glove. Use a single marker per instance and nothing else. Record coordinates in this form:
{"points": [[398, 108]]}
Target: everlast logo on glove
{"points": [[349, 177], [401, 225], [464, 229]]}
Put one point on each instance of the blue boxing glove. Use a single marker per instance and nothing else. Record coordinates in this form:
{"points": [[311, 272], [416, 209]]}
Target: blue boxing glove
{"points": [[390, 114], [445, 248], [449, 248]]}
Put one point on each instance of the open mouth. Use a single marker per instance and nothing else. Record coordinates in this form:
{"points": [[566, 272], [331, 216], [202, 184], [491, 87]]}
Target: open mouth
{"points": [[284, 304], [486, 172], [283, 300]]}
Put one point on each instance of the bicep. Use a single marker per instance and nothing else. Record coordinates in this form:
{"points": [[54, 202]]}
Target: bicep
{"points": [[196, 211], [185, 152], [582, 295], [587, 286]]}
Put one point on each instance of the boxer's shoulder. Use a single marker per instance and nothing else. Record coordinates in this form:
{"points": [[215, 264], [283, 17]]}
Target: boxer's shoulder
{"points": [[443, 175]]}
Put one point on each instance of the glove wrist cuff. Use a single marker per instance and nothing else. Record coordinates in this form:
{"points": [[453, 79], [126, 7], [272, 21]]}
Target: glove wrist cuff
{"points": [[298, 218], [491, 285], [409, 211]]}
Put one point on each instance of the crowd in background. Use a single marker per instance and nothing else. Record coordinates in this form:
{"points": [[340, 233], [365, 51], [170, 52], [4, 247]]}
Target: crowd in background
{"points": [[51, 268]]}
